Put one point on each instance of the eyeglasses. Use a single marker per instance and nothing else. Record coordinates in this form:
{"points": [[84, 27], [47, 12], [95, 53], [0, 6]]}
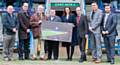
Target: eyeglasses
{"points": [[78, 10], [25, 6]]}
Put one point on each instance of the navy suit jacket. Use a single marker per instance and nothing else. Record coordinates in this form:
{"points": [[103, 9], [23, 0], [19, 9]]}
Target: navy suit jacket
{"points": [[71, 19], [110, 26], [9, 23], [82, 27]]}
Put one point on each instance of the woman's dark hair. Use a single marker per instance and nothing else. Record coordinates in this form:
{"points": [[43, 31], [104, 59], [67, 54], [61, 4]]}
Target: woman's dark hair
{"points": [[64, 12]]}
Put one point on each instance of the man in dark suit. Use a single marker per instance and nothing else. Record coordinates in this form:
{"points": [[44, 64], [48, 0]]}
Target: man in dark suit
{"points": [[109, 32], [24, 29], [10, 27], [82, 32], [53, 46]]}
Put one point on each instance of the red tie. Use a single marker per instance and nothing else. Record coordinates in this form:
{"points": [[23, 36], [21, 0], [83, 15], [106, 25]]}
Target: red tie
{"points": [[78, 20]]}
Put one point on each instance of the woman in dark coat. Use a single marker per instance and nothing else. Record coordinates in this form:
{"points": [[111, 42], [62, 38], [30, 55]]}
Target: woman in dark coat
{"points": [[68, 17]]}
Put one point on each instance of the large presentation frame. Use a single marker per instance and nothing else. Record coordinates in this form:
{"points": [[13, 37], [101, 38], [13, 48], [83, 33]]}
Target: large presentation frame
{"points": [[56, 31]]}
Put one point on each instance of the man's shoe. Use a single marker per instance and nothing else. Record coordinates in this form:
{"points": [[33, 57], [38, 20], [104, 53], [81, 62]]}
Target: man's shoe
{"points": [[98, 61], [94, 59], [55, 59], [11, 59], [112, 61], [81, 61], [6, 59], [67, 59], [70, 59], [27, 58], [49, 59], [85, 59], [108, 61], [33, 58], [21, 58]]}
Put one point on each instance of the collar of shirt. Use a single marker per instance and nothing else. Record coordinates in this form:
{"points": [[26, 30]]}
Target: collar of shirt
{"points": [[52, 18], [67, 16], [107, 14], [106, 17]]}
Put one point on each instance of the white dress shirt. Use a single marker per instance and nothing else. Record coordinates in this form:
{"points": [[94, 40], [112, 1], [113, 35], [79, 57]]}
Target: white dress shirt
{"points": [[52, 18], [105, 19], [67, 17]]}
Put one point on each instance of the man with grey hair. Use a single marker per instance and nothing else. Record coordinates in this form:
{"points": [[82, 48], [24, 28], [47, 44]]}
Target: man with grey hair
{"points": [[36, 19], [10, 27]]}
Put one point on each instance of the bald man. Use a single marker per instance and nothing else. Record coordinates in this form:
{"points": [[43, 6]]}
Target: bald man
{"points": [[53, 46], [10, 27], [82, 32]]}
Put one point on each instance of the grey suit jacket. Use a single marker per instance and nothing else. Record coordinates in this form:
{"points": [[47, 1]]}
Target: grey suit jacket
{"points": [[56, 19], [96, 21]]}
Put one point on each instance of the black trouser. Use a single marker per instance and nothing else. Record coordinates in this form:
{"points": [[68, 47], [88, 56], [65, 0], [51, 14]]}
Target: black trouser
{"points": [[69, 49], [53, 48], [110, 44], [24, 48], [46, 46], [82, 44]]}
